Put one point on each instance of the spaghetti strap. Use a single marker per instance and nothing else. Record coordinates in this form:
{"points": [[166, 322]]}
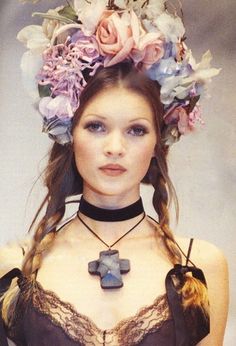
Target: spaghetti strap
{"points": [[189, 250]]}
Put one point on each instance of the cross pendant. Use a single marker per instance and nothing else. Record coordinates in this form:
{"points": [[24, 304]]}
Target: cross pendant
{"points": [[110, 268]]}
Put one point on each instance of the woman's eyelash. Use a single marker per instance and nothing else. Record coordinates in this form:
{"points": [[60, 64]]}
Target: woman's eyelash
{"points": [[95, 126], [138, 130]]}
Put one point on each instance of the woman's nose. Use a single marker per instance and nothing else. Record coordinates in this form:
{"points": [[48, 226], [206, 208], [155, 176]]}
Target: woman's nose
{"points": [[115, 144]]}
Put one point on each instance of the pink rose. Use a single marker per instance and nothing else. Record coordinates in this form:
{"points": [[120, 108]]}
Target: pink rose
{"points": [[116, 35], [149, 50], [179, 117]]}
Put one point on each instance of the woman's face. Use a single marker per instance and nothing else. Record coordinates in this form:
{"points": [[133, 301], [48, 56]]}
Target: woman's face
{"points": [[114, 142]]}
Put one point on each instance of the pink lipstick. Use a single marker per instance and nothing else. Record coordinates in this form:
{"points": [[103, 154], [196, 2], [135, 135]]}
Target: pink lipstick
{"points": [[113, 170]]}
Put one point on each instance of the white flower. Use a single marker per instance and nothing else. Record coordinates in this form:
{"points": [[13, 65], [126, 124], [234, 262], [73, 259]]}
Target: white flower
{"points": [[154, 8], [90, 14], [137, 6], [30, 65], [173, 87], [63, 32], [149, 26], [172, 27], [33, 37], [180, 86], [78, 4], [203, 72], [50, 25], [121, 3]]}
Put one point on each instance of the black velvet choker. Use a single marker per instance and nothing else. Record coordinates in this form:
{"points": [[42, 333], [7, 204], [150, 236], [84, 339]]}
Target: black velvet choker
{"points": [[109, 266], [101, 214]]}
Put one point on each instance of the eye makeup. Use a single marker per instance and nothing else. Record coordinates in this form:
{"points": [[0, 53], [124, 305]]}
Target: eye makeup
{"points": [[138, 130], [95, 126]]}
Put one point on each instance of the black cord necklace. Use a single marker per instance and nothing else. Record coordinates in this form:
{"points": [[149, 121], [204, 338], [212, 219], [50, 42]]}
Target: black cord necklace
{"points": [[109, 266]]}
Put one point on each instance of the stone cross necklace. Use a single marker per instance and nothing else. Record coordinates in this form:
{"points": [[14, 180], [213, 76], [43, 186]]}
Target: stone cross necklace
{"points": [[109, 266]]}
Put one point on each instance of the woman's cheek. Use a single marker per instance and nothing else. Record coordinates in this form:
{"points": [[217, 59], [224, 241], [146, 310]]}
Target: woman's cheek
{"points": [[144, 155]]}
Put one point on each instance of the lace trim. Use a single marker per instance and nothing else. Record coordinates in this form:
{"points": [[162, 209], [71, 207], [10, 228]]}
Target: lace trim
{"points": [[80, 328]]}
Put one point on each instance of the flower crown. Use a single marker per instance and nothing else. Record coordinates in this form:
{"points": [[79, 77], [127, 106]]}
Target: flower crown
{"points": [[76, 39]]}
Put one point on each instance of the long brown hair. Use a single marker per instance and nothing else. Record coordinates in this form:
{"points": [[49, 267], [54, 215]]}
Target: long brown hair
{"points": [[63, 180]]}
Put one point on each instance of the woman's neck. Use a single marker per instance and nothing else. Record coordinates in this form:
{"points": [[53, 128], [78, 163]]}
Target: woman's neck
{"points": [[111, 215], [111, 231], [110, 224], [111, 201]]}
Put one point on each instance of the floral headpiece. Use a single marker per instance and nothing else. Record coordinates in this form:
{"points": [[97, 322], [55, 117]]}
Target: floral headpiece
{"points": [[84, 35]]}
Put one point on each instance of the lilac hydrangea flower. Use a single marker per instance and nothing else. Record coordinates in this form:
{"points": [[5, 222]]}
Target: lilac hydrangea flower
{"points": [[59, 106]]}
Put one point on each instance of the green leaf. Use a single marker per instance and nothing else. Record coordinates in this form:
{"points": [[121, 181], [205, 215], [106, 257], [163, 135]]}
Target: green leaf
{"points": [[44, 90], [69, 12], [54, 17]]}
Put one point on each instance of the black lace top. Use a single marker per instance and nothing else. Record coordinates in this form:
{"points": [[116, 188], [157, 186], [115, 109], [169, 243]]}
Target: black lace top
{"points": [[40, 318]]}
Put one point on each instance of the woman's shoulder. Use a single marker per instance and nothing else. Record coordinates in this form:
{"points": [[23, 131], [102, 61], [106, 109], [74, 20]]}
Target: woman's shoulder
{"points": [[12, 254], [211, 260], [203, 254]]}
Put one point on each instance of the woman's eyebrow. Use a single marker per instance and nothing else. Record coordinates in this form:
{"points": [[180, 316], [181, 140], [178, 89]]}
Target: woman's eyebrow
{"points": [[95, 115], [140, 118], [103, 117]]}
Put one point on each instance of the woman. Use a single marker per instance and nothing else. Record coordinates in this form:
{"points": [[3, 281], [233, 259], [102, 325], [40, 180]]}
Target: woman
{"points": [[147, 295]]}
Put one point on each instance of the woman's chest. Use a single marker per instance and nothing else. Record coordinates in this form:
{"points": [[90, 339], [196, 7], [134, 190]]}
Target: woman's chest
{"points": [[68, 277]]}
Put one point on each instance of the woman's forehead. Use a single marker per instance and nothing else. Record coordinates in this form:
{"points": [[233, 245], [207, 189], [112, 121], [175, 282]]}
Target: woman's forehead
{"points": [[118, 99]]}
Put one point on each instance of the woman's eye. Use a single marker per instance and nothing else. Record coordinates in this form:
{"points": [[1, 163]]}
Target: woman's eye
{"points": [[95, 127], [138, 131]]}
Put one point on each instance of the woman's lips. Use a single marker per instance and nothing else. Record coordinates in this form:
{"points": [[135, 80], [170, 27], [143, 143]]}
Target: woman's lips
{"points": [[113, 169]]}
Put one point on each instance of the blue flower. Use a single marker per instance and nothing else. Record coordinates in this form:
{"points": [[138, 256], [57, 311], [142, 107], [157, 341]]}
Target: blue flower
{"points": [[58, 130]]}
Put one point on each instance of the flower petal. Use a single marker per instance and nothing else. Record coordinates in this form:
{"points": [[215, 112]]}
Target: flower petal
{"points": [[137, 30], [33, 37], [90, 14], [58, 106], [30, 65], [58, 130], [172, 27], [122, 54], [62, 30]]}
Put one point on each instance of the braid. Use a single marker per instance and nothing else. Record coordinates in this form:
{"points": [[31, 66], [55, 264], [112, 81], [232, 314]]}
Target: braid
{"points": [[41, 242], [164, 191], [62, 181], [193, 292], [160, 203]]}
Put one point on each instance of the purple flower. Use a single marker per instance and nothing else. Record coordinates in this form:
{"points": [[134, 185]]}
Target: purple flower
{"points": [[86, 45], [196, 116], [64, 66], [58, 106], [169, 68]]}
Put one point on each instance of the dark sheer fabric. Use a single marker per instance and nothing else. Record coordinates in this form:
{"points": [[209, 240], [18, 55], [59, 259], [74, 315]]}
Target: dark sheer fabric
{"points": [[46, 320], [39, 330], [40, 318]]}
